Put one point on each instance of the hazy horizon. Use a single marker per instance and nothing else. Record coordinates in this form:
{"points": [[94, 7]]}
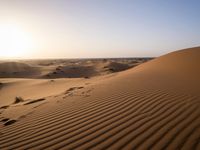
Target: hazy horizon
{"points": [[97, 29]]}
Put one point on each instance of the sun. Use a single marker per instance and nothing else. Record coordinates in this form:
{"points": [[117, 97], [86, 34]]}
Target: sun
{"points": [[14, 42]]}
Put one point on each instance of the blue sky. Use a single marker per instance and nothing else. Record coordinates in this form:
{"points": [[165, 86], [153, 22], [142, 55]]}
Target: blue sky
{"points": [[105, 28]]}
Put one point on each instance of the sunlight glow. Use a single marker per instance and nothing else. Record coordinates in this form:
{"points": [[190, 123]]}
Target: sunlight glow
{"points": [[15, 42]]}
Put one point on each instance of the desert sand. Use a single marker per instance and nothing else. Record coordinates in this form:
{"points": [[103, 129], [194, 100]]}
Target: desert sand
{"points": [[102, 104]]}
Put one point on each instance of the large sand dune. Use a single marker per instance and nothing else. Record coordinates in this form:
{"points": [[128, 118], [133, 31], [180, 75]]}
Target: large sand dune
{"points": [[155, 105]]}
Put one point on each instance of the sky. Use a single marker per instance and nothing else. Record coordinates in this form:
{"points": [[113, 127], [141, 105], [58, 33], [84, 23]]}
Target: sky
{"points": [[97, 28]]}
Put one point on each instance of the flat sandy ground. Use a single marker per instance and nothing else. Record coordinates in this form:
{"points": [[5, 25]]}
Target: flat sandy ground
{"points": [[101, 103]]}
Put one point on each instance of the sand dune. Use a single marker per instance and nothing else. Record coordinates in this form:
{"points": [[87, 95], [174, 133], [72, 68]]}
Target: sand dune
{"points": [[155, 105], [116, 67], [17, 70], [181, 63]]}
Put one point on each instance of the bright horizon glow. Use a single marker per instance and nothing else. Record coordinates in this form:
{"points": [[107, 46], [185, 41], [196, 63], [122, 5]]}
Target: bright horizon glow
{"points": [[97, 29], [15, 42]]}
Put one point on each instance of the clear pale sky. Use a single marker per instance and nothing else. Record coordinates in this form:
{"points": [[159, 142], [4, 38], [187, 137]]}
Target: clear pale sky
{"points": [[97, 28]]}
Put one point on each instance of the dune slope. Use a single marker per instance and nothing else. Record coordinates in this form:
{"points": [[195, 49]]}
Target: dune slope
{"points": [[153, 106]]}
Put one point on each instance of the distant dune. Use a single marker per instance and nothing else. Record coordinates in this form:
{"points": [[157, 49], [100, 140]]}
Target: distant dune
{"points": [[77, 68], [116, 67], [155, 105], [17, 70], [72, 72], [88, 70]]}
